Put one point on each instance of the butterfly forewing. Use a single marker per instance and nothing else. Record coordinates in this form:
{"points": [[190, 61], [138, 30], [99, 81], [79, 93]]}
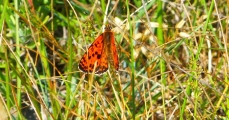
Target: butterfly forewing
{"points": [[93, 55], [115, 54]]}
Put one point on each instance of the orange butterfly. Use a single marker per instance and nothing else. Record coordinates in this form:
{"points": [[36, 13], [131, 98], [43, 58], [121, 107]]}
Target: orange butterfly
{"points": [[101, 52]]}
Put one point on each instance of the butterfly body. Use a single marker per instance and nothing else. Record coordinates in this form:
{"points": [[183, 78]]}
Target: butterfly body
{"points": [[100, 54]]}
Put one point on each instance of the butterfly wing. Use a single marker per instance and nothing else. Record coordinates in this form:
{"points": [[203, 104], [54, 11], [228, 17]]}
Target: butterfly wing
{"points": [[103, 62], [93, 55], [114, 51]]}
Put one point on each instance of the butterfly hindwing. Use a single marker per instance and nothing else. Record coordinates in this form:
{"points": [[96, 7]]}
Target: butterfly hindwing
{"points": [[103, 62]]}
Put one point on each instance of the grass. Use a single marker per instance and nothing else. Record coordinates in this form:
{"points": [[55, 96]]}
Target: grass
{"points": [[173, 60]]}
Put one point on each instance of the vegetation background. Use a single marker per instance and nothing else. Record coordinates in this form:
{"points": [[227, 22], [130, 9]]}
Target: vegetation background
{"points": [[174, 61]]}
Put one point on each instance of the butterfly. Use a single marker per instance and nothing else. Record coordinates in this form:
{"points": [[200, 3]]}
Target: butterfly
{"points": [[101, 53]]}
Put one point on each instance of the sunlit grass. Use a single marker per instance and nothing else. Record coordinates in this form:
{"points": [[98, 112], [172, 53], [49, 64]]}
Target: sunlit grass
{"points": [[173, 60]]}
